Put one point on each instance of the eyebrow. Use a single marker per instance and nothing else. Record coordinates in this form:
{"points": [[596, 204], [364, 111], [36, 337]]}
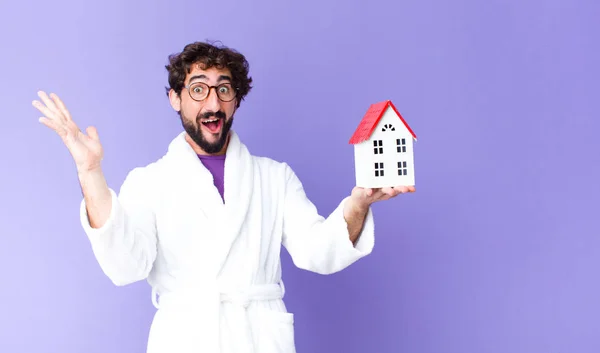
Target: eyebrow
{"points": [[199, 77]]}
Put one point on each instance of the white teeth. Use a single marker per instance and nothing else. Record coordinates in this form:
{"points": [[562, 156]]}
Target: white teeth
{"points": [[210, 121]]}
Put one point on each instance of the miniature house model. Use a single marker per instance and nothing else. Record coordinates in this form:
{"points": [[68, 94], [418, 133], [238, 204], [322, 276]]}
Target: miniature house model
{"points": [[383, 148]]}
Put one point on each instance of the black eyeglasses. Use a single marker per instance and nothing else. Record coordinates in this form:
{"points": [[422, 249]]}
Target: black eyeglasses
{"points": [[200, 90]]}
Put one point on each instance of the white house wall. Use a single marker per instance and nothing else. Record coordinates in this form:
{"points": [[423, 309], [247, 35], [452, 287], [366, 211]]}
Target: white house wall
{"points": [[363, 163], [365, 158]]}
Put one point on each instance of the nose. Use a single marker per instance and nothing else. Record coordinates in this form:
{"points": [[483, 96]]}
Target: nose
{"points": [[212, 102]]}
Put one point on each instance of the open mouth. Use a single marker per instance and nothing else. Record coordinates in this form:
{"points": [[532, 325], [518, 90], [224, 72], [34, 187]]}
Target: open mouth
{"points": [[213, 125]]}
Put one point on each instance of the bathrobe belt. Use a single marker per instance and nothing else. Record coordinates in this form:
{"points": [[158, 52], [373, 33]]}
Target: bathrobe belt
{"points": [[200, 310]]}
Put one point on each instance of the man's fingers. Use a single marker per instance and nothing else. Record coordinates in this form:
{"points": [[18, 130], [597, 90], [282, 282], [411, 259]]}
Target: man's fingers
{"points": [[45, 110], [404, 188], [58, 128], [388, 191], [57, 117], [50, 109], [61, 106], [48, 102]]}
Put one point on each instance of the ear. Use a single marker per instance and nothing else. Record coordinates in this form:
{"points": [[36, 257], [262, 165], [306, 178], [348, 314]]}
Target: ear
{"points": [[175, 100]]}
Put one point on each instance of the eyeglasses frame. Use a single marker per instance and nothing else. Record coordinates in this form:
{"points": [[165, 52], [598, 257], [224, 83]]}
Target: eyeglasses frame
{"points": [[187, 87]]}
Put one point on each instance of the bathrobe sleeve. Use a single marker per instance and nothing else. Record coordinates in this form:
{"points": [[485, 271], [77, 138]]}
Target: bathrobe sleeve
{"points": [[316, 243], [125, 246]]}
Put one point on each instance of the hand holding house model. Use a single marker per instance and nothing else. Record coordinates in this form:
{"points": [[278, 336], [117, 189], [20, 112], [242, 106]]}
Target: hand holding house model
{"points": [[383, 148]]}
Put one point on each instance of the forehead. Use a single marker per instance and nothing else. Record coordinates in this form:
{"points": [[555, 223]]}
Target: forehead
{"points": [[211, 75]]}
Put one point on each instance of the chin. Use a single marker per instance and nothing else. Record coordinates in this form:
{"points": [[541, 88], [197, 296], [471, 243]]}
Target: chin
{"points": [[213, 143], [210, 143]]}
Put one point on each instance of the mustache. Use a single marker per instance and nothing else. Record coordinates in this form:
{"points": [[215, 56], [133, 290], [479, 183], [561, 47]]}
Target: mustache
{"points": [[218, 114]]}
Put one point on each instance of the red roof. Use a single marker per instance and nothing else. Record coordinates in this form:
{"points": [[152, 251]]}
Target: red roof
{"points": [[371, 119]]}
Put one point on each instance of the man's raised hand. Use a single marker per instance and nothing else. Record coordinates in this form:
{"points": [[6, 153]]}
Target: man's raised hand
{"points": [[86, 150]]}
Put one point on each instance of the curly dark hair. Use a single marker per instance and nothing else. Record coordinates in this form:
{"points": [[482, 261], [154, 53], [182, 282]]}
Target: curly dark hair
{"points": [[209, 54]]}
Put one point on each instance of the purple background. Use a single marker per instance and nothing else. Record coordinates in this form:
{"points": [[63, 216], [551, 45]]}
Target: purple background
{"points": [[499, 249]]}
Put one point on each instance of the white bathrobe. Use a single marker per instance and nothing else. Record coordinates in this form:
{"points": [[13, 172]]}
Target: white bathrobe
{"points": [[214, 266]]}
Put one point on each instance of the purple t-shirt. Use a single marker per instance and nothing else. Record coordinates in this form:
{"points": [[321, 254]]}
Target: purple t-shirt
{"points": [[216, 165]]}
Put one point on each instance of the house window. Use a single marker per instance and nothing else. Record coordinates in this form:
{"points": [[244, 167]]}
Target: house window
{"points": [[379, 169], [377, 147], [402, 170], [388, 127], [401, 145]]}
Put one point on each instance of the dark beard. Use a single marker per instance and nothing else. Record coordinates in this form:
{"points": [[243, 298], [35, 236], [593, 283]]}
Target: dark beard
{"points": [[195, 132]]}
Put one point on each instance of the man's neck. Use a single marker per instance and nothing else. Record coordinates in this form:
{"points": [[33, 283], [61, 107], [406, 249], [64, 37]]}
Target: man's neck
{"points": [[201, 152]]}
